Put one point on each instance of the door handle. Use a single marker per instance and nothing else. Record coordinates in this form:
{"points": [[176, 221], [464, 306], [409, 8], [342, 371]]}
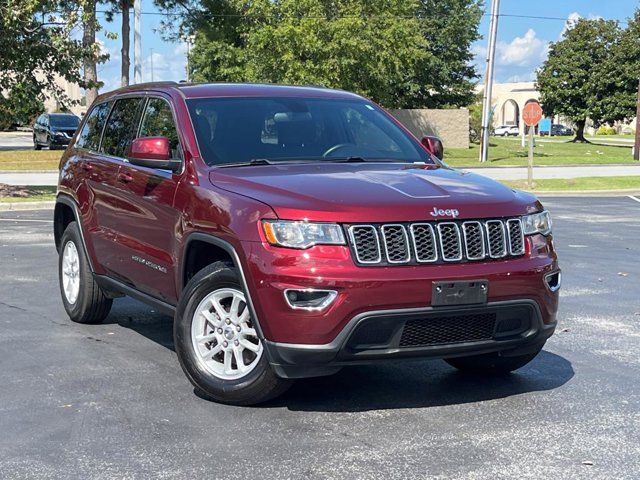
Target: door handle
{"points": [[124, 177]]}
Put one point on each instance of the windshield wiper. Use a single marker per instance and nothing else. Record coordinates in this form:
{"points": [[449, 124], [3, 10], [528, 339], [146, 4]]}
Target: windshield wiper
{"points": [[352, 159], [264, 161]]}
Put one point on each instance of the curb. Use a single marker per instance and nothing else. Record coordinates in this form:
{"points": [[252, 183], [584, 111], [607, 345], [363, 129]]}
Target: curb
{"points": [[26, 172], [7, 207], [590, 165], [586, 193]]}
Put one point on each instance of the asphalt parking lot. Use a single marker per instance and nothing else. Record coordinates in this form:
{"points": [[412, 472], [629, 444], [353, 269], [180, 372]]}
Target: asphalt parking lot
{"points": [[110, 401]]}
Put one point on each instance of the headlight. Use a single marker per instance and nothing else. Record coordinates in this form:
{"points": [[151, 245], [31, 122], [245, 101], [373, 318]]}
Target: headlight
{"points": [[302, 234], [537, 223]]}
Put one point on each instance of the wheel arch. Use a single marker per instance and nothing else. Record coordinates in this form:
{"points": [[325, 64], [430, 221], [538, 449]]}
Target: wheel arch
{"points": [[66, 211], [223, 251]]}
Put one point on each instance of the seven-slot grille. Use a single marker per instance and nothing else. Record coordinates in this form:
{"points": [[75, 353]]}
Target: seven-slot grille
{"points": [[397, 243]]}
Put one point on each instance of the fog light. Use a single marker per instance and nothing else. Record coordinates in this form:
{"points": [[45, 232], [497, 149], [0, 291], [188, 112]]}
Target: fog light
{"points": [[553, 281], [309, 298]]}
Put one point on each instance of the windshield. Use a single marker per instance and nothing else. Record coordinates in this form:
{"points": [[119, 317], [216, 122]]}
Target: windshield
{"points": [[238, 130], [64, 121]]}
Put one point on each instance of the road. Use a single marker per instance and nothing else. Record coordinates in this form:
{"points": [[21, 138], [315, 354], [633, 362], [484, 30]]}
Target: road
{"points": [[110, 401], [502, 173], [16, 140]]}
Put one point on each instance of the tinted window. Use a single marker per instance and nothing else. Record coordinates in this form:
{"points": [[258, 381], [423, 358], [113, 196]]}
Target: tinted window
{"points": [[89, 137], [234, 130], [121, 127], [158, 122], [64, 121]]}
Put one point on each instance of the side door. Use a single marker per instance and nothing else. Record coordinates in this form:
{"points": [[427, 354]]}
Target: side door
{"points": [[44, 130], [37, 129], [97, 195], [147, 220]]}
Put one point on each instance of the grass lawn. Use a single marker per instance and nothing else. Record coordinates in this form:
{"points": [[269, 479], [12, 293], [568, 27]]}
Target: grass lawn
{"points": [[576, 184], [21, 160], [507, 152], [39, 193]]}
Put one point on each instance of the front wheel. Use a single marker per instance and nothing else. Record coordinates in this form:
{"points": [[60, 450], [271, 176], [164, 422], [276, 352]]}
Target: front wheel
{"points": [[492, 363], [217, 342]]}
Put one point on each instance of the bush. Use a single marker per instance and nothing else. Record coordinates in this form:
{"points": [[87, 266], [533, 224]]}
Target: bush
{"points": [[605, 130]]}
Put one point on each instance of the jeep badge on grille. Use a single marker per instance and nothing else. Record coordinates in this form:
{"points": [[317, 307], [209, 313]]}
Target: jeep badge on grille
{"points": [[450, 212]]}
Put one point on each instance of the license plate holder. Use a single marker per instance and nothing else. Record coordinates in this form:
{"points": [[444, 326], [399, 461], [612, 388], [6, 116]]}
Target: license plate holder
{"points": [[467, 292]]}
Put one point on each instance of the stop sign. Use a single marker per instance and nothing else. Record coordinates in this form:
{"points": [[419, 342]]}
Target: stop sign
{"points": [[532, 114]]}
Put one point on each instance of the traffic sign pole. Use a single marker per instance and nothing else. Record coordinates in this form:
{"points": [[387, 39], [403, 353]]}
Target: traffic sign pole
{"points": [[530, 163], [532, 114]]}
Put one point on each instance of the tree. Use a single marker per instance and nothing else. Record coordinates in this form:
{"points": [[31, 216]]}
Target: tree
{"points": [[39, 48], [92, 54], [21, 106], [566, 79], [123, 7], [617, 78], [399, 52]]}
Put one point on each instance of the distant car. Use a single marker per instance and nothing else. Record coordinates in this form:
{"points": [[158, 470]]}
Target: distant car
{"points": [[558, 130], [506, 130], [561, 130], [54, 130]]}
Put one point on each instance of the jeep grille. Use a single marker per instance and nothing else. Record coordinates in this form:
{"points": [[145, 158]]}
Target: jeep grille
{"points": [[446, 241]]}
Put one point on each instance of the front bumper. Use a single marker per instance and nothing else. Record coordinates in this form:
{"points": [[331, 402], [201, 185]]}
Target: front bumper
{"points": [[307, 343], [510, 327]]}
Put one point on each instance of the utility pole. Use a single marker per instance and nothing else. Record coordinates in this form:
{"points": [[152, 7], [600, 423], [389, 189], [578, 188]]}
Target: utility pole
{"points": [[137, 47], [488, 81], [636, 149], [151, 60]]}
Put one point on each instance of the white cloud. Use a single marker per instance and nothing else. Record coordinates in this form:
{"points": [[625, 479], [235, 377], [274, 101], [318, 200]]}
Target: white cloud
{"points": [[527, 50], [527, 77], [571, 20], [166, 66]]}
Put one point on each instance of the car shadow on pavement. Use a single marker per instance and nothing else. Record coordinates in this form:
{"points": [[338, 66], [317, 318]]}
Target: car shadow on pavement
{"points": [[419, 384], [401, 384]]}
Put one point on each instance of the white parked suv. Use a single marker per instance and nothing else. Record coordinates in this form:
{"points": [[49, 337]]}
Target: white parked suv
{"points": [[506, 130]]}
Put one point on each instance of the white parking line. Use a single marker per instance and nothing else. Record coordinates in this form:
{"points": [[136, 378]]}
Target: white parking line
{"points": [[27, 220], [634, 198]]}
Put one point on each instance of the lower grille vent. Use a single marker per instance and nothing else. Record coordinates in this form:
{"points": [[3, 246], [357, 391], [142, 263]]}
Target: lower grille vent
{"points": [[448, 329]]}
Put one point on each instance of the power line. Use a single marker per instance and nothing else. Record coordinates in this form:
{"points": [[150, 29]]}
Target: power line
{"points": [[320, 17]]}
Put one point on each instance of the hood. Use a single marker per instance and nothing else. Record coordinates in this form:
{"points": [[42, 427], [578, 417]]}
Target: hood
{"points": [[361, 192]]}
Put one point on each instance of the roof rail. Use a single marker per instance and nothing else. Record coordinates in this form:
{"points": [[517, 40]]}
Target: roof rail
{"points": [[152, 84]]}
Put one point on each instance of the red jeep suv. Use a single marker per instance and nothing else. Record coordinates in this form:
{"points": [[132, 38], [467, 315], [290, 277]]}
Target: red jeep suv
{"points": [[291, 231]]}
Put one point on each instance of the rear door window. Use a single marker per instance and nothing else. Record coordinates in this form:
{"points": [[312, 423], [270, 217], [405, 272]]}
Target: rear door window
{"points": [[157, 121], [89, 137], [122, 126]]}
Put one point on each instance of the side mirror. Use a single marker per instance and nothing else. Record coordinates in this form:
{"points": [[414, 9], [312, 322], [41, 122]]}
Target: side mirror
{"points": [[434, 146], [152, 152]]}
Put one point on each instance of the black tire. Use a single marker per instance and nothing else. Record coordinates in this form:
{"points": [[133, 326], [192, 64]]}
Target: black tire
{"points": [[91, 304], [257, 386], [36, 145], [492, 363]]}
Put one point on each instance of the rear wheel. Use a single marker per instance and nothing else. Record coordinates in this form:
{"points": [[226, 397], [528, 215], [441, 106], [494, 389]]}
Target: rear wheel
{"points": [[217, 343], [492, 363], [83, 299]]}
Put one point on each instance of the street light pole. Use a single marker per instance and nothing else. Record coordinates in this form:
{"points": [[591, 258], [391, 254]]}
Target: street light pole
{"points": [[488, 81], [137, 47], [636, 149], [151, 60]]}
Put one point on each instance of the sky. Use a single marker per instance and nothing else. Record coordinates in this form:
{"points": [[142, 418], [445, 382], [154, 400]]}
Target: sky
{"points": [[522, 43]]}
